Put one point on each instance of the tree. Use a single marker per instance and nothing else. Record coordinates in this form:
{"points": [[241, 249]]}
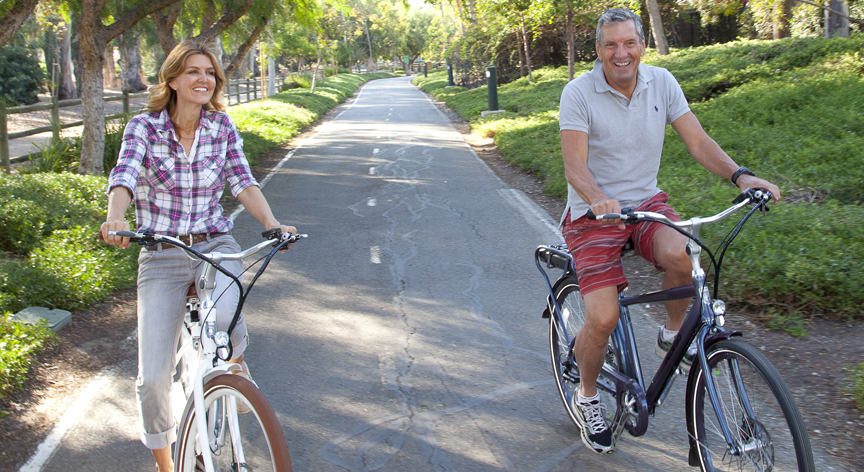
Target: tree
{"points": [[14, 17], [657, 28], [94, 36], [165, 22]]}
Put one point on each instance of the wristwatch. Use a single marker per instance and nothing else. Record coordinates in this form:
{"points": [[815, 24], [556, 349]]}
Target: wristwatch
{"points": [[741, 170]]}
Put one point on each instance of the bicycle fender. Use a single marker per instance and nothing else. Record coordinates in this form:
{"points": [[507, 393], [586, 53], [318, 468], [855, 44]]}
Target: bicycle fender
{"points": [[547, 312], [693, 456]]}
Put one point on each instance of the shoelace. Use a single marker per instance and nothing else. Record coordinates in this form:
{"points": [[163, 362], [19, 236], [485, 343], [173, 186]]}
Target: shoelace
{"points": [[594, 416]]}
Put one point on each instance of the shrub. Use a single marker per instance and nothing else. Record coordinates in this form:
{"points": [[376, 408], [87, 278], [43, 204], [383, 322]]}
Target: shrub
{"points": [[21, 77], [19, 344], [858, 385]]}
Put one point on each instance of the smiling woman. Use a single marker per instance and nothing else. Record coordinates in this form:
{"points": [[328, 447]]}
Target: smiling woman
{"points": [[174, 163]]}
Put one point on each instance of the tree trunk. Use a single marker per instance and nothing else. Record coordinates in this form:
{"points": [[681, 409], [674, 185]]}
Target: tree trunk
{"points": [[244, 48], [12, 20], [228, 18], [521, 53], [109, 68], [93, 37], [571, 46], [165, 26], [369, 41], [527, 50], [131, 60], [92, 51], [77, 59], [317, 63], [271, 76], [781, 24], [66, 88], [657, 28]]}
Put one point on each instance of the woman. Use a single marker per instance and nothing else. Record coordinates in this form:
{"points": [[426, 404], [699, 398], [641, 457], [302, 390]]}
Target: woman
{"points": [[174, 163]]}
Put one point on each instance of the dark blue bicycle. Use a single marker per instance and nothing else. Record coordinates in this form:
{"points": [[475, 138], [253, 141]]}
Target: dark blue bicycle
{"points": [[740, 413]]}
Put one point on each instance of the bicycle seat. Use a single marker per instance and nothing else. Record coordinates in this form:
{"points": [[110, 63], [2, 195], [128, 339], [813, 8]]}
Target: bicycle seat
{"points": [[191, 292]]}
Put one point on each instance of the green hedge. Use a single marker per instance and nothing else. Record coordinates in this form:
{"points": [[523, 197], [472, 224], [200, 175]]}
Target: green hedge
{"points": [[19, 345], [793, 112]]}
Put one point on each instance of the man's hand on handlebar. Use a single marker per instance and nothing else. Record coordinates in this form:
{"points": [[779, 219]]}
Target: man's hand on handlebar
{"points": [[603, 207], [114, 225], [746, 182]]}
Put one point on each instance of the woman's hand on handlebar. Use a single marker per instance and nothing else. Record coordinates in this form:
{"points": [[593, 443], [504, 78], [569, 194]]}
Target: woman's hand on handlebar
{"points": [[603, 207], [114, 225]]}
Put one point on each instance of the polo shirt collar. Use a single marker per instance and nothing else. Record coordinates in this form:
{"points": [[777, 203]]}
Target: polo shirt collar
{"points": [[643, 76]]}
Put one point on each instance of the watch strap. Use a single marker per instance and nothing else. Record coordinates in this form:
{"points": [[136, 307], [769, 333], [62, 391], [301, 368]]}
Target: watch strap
{"points": [[741, 170]]}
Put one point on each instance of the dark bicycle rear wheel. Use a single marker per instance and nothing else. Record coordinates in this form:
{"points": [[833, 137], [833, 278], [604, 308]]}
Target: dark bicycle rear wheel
{"points": [[765, 422], [563, 329]]}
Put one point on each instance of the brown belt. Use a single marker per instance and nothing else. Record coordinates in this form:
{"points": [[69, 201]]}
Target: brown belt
{"points": [[188, 239]]}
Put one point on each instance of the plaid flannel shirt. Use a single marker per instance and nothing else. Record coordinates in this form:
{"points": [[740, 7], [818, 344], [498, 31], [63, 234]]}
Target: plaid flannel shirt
{"points": [[172, 195]]}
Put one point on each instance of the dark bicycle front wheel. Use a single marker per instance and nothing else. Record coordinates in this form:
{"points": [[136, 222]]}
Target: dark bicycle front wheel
{"points": [[564, 327], [239, 442], [766, 425]]}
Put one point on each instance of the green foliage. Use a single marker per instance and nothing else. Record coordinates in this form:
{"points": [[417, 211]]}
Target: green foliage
{"points": [[21, 76], [19, 344], [857, 379], [33, 206], [792, 110], [709, 71], [57, 156], [70, 270]]}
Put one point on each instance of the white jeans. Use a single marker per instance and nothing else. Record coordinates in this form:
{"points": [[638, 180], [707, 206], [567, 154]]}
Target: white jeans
{"points": [[164, 277]]}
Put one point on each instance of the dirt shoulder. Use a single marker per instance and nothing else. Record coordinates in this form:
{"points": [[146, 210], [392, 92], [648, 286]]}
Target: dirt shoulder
{"points": [[815, 367]]}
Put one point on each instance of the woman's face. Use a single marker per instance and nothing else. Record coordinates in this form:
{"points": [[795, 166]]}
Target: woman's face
{"points": [[195, 84]]}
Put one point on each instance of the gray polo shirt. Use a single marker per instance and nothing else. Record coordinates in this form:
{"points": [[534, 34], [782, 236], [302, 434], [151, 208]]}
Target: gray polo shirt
{"points": [[625, 137]]}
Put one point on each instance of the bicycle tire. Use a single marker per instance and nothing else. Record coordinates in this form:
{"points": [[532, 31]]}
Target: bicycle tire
{"points": [[564, 368], [263, 443], [775, 440]]}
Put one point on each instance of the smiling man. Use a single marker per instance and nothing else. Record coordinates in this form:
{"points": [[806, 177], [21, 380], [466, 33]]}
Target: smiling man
{"points": [[613, 120]]}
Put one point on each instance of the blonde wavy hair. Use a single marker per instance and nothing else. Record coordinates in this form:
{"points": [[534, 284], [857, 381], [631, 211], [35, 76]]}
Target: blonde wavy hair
{"points": [[162, 96]]}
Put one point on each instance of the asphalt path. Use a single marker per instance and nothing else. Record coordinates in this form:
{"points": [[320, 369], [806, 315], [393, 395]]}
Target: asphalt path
{"points": [[405, 333]]}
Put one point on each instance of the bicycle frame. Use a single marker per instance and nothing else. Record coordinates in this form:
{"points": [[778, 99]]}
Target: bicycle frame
{"points": [[701, 324], [213, 346]]}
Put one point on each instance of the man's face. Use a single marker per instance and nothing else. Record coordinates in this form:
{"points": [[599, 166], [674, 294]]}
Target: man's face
{"points": [[620, 50]]}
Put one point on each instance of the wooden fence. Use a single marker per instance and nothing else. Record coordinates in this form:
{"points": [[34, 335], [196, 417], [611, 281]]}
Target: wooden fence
{"points": [[250, 89]]}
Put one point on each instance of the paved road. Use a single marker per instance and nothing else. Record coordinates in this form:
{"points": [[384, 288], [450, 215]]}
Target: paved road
{"points": [[404, 334]]}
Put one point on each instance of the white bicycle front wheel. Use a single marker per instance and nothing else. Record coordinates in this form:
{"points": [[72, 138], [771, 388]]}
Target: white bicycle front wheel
{"points": [[239, 442]]}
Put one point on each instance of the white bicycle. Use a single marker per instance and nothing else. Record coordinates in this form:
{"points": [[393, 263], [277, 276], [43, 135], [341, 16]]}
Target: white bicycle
{"points": [[227, 424]]}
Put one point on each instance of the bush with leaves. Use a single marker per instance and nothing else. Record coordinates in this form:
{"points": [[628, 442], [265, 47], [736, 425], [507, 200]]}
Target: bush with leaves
{"points": [[21, 76], [19, 345]]}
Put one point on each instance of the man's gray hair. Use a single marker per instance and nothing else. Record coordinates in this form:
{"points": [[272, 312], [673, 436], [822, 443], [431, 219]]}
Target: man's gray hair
{"points": [[617, 15]]}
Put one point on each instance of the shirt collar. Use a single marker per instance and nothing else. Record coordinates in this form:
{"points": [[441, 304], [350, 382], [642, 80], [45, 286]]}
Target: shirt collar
{"points": [[164, 127], [643, 76]]}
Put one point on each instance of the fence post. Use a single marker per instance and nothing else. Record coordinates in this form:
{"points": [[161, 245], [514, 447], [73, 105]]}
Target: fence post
{"points": [[125, 102], [55, 118], [450, 75], [247, 90], [255, 84], [4, 138]]}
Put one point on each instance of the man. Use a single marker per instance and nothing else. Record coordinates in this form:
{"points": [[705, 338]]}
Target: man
{"points": [[613, 122]]}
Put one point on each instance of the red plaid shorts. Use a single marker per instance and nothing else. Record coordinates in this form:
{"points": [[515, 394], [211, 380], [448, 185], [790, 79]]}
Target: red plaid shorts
{"points": [[596, 247]]}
